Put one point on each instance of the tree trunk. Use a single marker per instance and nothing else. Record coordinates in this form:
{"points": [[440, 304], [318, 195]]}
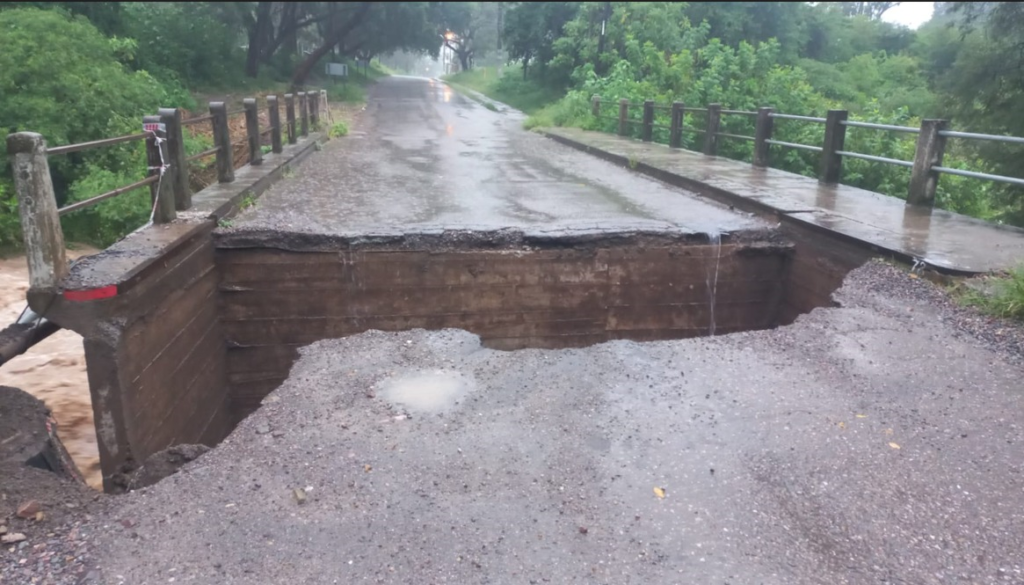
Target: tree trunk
{"points": [[464, 59], [337, 36], [258, 38], [526, 66]]}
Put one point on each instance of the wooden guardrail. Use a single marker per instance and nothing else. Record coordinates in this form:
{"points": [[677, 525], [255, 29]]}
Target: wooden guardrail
{"points": [[167, 175], [925, 168]]}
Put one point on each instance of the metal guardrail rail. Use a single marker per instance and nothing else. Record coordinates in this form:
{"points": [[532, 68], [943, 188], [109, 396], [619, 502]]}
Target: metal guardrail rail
{"points": [[925, 168]]}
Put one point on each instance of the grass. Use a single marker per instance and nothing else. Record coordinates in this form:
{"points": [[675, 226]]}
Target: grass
{"points": [[1002, 296], [525, 95], [338, 129]]}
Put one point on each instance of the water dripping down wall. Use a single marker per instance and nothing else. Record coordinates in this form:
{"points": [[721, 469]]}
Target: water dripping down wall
{"points": [[274, 301]]}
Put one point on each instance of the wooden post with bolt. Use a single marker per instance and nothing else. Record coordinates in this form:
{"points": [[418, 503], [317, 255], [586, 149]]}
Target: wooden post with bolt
{"points": [[762, 134], [171, 119], [222, 140], [931, 146], [37, 208], [647, 133], [835, 136], [274, 113], [159, 160], [711, 130], [675, 133], [252, 131]]}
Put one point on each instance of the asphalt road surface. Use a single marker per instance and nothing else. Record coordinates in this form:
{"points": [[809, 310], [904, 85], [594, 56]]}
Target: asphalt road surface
{"points": [[864, 444], [425, 157]]}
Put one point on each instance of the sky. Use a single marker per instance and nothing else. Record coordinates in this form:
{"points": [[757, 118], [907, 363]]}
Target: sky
{"points": [[911, 14]]}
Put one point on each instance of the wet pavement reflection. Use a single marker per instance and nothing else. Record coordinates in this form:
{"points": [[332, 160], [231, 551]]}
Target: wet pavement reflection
{"points": [[940, 238], [426, 157]]}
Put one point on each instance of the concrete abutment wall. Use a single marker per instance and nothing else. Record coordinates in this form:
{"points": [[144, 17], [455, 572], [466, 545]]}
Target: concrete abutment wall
{"points": [[274, 301], [213, 324]]}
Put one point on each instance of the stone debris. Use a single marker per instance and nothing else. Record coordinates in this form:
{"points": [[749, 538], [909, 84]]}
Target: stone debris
{"points": [[12, 538], [29, 509]]}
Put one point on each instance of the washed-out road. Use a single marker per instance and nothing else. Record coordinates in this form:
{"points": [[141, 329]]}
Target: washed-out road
{"points": [[871, 442]]}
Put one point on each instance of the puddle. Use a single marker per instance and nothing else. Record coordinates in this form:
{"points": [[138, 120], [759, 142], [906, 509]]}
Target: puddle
{"points": [[429, 392]]}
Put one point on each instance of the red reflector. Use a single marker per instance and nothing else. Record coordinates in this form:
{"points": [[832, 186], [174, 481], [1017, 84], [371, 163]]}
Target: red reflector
{"points": [[92, 294]]}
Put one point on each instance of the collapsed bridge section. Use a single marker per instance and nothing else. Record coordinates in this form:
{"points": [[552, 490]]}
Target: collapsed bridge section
{"points": [[208, 321]]}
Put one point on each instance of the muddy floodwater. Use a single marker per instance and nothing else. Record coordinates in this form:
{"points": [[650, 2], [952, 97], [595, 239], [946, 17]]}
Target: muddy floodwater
{"points": [[53, 371]]}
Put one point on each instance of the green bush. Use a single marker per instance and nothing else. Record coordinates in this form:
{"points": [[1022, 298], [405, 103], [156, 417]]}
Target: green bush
{"points": [[1005, 297], [60, 77], [338, 129], [184, 41], [10, 226]]}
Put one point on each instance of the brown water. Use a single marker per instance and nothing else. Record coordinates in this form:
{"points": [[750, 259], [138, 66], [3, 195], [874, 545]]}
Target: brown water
{"points": [[52, 371]]}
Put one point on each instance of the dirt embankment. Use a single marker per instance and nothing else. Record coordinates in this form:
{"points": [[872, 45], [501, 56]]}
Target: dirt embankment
{"points": [[53, 371]]}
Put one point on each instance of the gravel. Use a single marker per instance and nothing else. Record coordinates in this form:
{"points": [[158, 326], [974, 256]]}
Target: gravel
{"points": [[60, 549]]}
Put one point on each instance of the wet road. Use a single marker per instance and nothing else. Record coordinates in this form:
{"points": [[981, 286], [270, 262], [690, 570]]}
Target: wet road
{"points": [[425, 157]]}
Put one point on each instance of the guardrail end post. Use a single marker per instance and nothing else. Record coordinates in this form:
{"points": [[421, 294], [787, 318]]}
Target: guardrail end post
{"points": [[931, 147], [623, 116], [762, 134], [274, 113], [37, 207], [595, 106], [675, 135], [648, 128], [252, 131], [711, 132], [222, 139], [171, 119], [835, 136], [160, 163]]}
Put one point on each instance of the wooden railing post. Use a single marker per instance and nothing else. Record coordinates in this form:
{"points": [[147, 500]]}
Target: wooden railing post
{"points": [[595, 106], [675, 134], [37, 206], [222, 140], [835, 137], [171, 119], [158, 158], [313, 99], [711, 131], [931, 146], [762, 134], [648, 127], [252, 131], [623, 116], [289, 115], [274, 113], [304, 113]]}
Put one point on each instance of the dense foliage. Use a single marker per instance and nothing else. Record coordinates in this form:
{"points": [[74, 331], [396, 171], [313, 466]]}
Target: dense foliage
{"points": [[77, 71], [963, 65]]}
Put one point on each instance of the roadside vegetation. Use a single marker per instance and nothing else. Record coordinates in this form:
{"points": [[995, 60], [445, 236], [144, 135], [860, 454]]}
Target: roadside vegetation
{"points": [[1001, 296], [76, 72], [965, 65], [83, 71]]}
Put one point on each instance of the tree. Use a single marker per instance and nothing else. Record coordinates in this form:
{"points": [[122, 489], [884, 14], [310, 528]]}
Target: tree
{"points": [[755, 22], [342, 21], [531, 29], [469, 29], [62, 77], [186, 41], [872, 10]]}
